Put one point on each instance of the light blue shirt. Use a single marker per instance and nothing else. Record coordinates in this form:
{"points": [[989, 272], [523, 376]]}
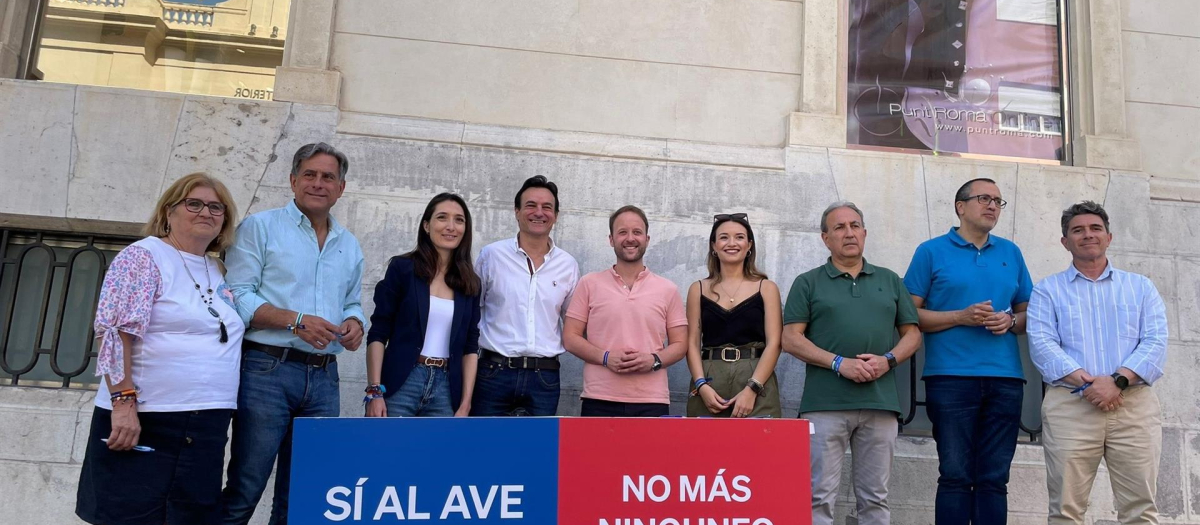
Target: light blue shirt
{"points": [[275, 259], [1117, 320]]}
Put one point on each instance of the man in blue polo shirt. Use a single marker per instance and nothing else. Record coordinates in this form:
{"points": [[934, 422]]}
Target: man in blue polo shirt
{"points": [[971, 289]]}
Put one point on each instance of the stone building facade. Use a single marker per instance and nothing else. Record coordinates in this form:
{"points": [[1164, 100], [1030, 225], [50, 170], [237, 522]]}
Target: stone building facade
{"points": [[684, 107]]}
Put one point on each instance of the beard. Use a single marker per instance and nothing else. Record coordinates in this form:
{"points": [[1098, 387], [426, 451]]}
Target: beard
{"points": [[621, 255]]}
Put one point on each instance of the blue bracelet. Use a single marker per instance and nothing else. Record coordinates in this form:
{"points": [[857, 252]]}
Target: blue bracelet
{"points": [[837, 363], [700, 382], [606, 358]]}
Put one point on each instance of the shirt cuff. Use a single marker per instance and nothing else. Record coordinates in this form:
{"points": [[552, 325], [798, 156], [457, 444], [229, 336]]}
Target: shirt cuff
{"points": [[247, 305], [1145, 370], [356, 313]]}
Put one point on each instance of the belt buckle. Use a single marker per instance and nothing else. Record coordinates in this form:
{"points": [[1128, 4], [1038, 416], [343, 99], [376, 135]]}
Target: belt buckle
{"points": [[525, 362], [436, 362], [737, 356]]}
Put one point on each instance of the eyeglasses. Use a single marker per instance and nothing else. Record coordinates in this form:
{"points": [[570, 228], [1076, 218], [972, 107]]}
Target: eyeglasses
{"points": [[985, 199], [729, 217], [215, 209]]}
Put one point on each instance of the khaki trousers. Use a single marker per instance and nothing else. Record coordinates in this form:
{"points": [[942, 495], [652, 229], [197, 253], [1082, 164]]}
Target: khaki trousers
{"points": [[1076, 435]]}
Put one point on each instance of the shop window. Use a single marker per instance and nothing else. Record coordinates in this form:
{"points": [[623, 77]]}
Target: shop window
{"points": [[227, 48]]}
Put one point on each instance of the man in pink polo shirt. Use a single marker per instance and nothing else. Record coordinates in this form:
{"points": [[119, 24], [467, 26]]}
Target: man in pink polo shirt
{"points": [[635, 326]]}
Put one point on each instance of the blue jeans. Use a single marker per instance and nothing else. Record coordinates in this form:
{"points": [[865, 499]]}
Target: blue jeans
{"points": [[975, 423], [503, 391], [425, 393], [271, 395]]}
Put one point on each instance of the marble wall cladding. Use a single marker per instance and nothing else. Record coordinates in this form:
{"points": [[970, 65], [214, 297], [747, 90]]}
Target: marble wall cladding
{"points": [[76, 167]]}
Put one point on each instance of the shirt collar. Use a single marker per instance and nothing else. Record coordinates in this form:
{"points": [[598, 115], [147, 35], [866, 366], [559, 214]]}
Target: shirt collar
{"points": [[957, 239], [301, 219], [644, 273], [1072, 272], [516, 244], [834, 272]]}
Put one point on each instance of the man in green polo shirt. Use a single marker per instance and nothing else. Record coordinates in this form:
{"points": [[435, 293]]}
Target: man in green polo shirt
{"points": [[841, 319]]}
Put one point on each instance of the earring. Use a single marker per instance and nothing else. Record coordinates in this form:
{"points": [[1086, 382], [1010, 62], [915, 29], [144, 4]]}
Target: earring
{"points": [[168, 227]]}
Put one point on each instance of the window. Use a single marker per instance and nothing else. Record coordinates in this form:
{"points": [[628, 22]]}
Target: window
{"points": [[957, 77], [49, 287], [227, 48]]}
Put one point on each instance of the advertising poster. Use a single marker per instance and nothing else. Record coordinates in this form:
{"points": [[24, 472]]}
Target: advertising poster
{"points": [[980, 77], [543, 471]]}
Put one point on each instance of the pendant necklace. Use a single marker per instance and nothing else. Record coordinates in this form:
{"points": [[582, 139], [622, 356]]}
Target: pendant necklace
{"points": [[207, 299]]}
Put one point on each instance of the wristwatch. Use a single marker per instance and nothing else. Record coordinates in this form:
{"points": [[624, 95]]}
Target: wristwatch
{"points": [[1121, 381], [657, 363], [891, 360], [1012, 317]]}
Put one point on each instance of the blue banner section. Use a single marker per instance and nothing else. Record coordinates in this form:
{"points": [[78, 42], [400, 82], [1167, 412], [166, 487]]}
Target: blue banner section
{"points": [[440, 470]]}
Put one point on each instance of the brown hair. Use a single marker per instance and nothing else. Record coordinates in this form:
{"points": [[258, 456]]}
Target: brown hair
{"points": [[612, 219], [157, 225], [460, 274], [749, 269]]}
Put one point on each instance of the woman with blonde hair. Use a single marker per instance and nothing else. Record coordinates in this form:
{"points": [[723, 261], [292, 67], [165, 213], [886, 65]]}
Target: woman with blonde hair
{"points": [[170, 348], [735, 325]]}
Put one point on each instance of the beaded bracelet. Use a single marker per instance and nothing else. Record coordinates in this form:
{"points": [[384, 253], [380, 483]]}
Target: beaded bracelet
{"points": [[837, 364], [374, 392], [606, 358]]}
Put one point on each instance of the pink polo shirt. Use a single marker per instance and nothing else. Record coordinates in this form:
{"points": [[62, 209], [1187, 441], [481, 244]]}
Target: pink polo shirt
{"points": [[618, 318]]}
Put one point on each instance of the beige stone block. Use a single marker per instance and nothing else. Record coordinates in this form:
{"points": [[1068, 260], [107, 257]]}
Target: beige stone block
{"points": [[230, 139], [1167, 135], [1095, 151], [599, 144], [760, 35], [1179, 392], [822, 130], [118, 163], [307, 86], [306, 124], [890, 190], [1161, 271], [1168, 216], [771, 158], [521, 88], [310, 31], [737, 107], [1165, 189], [1126, 201], [1153, 71], [41, 493], [388, 126], [1188, 275], [36, 143], [405, 169], [822, 67], [943, 177], [1191, 453], [771, 198], [1045, 191], [1167, 17]]}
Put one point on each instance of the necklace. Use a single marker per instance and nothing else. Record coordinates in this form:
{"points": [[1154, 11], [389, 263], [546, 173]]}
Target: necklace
{"points": [[735, 292], [207, 299]]}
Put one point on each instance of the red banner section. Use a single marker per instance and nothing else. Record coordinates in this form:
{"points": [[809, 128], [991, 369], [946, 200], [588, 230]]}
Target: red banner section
{"points": [[684, 472]]}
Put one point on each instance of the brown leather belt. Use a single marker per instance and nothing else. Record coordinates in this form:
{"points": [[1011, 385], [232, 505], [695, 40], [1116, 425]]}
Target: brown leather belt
{"points": [[433, 362], [733, 353]]}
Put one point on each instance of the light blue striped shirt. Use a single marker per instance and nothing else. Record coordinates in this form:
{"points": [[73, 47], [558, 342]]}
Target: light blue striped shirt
{"points": [[1118, 320], [275, 259]]}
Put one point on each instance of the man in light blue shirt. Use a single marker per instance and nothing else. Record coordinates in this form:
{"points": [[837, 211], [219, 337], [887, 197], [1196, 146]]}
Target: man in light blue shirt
{"points": [[296, 276], [1099, 337], [971, 289]]}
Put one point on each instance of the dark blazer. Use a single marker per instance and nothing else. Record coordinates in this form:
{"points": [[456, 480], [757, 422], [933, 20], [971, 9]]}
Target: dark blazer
{"points": [[401, 313]]}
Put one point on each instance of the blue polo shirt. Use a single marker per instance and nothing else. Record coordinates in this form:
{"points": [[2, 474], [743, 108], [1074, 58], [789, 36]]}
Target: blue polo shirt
{"points": [[952, 274]]}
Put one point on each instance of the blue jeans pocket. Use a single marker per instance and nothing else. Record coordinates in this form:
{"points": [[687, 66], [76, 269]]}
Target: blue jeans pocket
{"points": [[259, 365]]}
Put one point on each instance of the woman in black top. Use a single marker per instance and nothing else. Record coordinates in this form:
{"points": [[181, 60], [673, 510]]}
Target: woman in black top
{"points": [[735, 322]]}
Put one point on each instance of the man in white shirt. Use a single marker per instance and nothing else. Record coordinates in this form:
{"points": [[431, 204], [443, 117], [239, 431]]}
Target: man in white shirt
{"points": [[527, 284]]}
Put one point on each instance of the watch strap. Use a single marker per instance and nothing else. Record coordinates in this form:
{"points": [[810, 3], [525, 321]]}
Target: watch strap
{"points": [[891, 359]]}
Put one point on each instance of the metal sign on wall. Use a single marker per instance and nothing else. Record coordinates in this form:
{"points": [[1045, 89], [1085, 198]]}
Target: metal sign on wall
{"points": [[579, 471], [973, 77]]}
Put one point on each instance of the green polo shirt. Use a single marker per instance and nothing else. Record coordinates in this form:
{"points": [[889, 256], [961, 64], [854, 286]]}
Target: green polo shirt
{"points": [[849, 316]]}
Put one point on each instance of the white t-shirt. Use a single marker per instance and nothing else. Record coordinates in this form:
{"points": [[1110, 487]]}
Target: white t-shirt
{"points": [[179, 363], [437, 330]]}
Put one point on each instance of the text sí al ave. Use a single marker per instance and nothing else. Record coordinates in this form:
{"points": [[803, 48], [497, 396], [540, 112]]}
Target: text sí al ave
{"points": [[461, 502]]}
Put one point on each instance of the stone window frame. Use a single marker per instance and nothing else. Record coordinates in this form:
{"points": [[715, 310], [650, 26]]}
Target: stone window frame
{"points": [[1096, 98]]}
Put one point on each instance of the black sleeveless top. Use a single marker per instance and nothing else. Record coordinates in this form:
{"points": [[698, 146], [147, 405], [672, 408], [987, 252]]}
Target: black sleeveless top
{"points": [[745, 323]]}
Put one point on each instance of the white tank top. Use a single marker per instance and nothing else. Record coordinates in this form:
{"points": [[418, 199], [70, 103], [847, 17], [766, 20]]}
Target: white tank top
{"points": [[437, 332]]}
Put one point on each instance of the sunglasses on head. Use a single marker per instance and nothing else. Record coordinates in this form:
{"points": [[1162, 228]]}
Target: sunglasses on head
{"points": [[730, 217]]}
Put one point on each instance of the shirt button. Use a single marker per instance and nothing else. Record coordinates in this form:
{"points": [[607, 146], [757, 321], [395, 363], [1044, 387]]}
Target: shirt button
{"points": [[188, 440]]}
